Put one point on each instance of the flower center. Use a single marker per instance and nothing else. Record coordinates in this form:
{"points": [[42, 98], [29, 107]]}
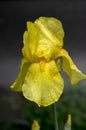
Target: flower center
{"points": [[42, 64]]}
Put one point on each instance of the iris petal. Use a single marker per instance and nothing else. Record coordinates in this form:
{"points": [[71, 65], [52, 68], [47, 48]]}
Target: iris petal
{"points": [[43, 39], [43, 83], [70, 68], [17, 85]]}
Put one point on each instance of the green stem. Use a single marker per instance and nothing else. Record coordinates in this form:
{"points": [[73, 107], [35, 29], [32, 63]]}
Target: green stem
{"points": [[55, 117]]}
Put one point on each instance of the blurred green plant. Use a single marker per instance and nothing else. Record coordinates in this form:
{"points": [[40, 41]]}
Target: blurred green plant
{"points": [[72, 101]]}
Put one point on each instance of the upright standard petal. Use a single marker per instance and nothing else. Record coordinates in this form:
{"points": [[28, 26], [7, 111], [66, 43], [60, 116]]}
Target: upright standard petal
{"points": [[52, 29], [30, 40], [70, 68], [17, 85], [43, 83], [43, 39]]}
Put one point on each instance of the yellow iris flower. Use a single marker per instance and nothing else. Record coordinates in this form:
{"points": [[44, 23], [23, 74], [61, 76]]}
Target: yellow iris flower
{"points": [[39, 78]]}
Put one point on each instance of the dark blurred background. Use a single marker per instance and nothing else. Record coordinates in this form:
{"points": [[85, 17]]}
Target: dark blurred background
{"points": [[13, 18]]}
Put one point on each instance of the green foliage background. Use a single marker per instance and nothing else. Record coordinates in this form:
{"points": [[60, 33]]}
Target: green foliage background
{"points": [[72, 101]]}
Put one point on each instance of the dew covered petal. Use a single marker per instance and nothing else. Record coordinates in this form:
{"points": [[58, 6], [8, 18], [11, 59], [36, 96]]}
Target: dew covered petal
{"points": [[70, 68], [43, 38], [17, 85], [43, 83]]}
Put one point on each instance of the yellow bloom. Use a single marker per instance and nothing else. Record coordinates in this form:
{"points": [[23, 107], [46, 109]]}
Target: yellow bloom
{"points": [[39, 78], [68, 123], [35, 125]]}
